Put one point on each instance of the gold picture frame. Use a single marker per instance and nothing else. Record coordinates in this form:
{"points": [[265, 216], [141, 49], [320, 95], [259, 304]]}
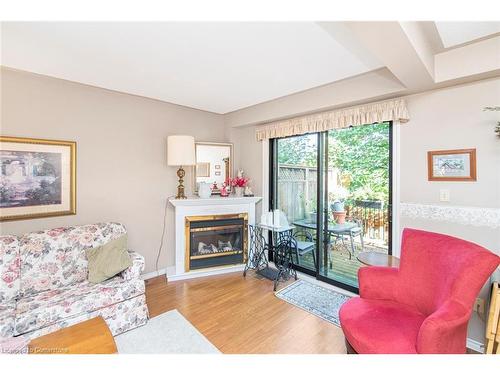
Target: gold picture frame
{"points": [[225, 164], [37, 178]]}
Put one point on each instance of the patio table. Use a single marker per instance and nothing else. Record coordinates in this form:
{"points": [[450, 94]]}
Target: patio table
{"points": [[349, 228]]}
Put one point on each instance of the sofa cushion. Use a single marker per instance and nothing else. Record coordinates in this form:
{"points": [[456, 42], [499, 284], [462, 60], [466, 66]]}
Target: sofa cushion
{"points": [[380, 326], [7, 317], [55, 258], [49, 307], [120, 317], [9, 269]]}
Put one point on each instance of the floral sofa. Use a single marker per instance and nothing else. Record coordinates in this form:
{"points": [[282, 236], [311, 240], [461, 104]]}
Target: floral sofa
{"points": [[44, 287]]}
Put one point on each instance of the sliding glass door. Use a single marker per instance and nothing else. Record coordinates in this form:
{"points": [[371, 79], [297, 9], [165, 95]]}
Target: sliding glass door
{"points": [[357, 199], [296, 192], [335, 189]]}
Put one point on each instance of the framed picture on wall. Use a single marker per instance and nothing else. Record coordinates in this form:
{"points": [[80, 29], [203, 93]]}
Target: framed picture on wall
{"points": [[452, 165], [37, 178]]}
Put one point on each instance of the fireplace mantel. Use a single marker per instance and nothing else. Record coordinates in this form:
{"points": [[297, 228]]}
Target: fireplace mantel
{"points": [[217, 200], [195, 206]]}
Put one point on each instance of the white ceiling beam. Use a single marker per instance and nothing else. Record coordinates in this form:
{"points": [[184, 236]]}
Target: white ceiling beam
{"points": [[402, 48], [477, 59]]}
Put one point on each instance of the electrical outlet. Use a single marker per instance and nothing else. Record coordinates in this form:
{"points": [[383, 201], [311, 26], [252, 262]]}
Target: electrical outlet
{"points": [[479, 305], [444, 195]]}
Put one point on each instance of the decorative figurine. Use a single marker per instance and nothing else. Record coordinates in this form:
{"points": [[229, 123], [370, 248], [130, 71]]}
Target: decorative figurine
{"points": [[248, 191], [223, 190]]}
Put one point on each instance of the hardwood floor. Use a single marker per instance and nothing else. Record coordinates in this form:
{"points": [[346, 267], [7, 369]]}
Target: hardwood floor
{"points": [[242, 315]]}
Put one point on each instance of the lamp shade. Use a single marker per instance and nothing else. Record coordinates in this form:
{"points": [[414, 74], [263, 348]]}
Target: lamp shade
{"points": [[180, 150]]}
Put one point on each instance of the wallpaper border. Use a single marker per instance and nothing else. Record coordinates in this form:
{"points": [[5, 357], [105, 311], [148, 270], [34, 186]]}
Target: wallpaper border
{"points": [[475, 216]]}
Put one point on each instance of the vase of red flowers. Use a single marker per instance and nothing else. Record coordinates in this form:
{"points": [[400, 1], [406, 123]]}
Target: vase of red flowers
{"points": [[238, 184]]}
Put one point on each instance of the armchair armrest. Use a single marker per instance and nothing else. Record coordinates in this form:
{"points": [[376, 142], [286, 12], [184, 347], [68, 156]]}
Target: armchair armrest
{"points": [[378, 282], [445, 330], [135, 270]]}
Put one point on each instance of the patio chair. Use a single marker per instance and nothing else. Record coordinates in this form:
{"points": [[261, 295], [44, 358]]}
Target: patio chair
{"points": [[351, 233], [305, 244]]}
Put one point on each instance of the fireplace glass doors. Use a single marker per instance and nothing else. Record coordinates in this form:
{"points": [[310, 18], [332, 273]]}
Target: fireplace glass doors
{"points": [[213, 241]]}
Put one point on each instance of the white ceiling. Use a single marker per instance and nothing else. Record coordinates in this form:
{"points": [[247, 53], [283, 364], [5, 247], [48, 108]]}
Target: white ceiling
{"points": [[218, 67], [455, 33]]}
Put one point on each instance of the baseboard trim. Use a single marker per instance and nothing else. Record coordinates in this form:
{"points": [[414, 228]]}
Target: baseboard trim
{"points": [[475, 345], [164, 271], [207, 272]]}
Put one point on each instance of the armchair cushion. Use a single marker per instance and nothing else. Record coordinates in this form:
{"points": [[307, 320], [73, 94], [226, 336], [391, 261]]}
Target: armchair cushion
{"points": [[380, 326], [46, 308]]}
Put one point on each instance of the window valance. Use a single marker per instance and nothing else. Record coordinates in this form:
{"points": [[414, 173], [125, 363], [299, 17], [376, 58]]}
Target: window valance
{"points": [[390, 110]]}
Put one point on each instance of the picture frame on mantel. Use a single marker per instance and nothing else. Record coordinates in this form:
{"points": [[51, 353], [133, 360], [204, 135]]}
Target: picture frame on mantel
{"points": [[37, 178], [452, 165]]}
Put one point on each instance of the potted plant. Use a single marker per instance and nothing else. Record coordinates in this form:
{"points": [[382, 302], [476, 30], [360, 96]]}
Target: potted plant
{"points": [[366, 197], [338, 196]]}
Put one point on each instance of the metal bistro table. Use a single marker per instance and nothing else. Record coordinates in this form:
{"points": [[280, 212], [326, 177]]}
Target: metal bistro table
{"points": [[282, 243], [338, 231]]}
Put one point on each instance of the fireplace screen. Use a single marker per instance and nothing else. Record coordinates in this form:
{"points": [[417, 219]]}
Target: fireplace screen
{"points": [[215, 241]]}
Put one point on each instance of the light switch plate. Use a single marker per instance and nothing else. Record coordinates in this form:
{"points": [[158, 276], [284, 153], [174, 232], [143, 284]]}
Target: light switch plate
{"points": [[444, 195]]}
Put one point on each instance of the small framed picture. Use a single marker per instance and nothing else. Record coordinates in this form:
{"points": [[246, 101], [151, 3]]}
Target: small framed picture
{"points": [[452, 165], [217, 173], [202, 169], [217, 166]]}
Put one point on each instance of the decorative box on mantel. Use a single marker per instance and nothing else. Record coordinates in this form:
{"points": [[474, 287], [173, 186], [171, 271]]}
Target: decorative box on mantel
{"points": [[211, 235]]}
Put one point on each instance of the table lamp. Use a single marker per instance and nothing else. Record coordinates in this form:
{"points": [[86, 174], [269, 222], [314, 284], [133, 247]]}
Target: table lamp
{"points": [[180, 152]]}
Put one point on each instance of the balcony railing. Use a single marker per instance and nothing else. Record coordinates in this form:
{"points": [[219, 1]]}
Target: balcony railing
{"points": [[375, 219]]}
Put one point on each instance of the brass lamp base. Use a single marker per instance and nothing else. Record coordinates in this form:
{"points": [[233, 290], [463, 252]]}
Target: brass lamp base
{"points": [[180, 189]]}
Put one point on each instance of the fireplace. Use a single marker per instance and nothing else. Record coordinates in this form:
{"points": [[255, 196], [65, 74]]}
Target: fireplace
{"points": [[215, 240]]}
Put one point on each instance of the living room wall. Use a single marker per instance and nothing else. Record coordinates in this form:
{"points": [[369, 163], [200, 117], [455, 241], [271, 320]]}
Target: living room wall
{"points": [[122, 172], [453, 119], [449, 118]]}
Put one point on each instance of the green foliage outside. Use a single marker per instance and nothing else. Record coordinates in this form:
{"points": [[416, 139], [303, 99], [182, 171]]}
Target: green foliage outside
{"points": [[361, 154], [298, 150]]}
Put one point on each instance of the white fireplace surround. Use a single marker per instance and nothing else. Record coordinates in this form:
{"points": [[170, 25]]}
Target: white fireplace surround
{"points": [[199, 207]]}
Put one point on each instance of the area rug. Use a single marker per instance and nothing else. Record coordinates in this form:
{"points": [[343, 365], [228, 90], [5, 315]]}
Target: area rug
{"points": [[315, 299], [168, 333]]}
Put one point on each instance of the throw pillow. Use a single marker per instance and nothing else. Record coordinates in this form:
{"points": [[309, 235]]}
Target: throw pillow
{"points": [[108, 260]]}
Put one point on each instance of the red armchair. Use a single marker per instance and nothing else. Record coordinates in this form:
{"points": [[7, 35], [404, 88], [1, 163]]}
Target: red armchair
{"points": [[425, 305]]}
